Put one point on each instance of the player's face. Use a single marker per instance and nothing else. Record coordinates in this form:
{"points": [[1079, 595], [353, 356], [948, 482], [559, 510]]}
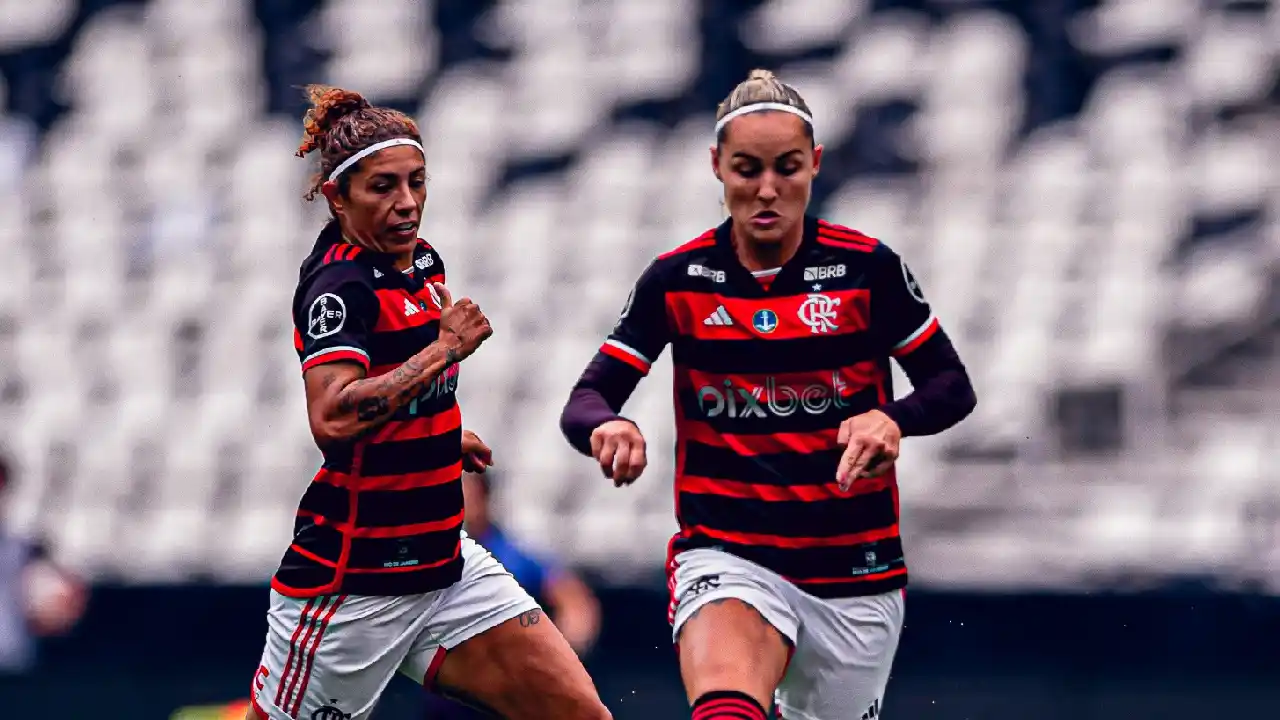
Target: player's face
{"points": [[767, 165], [384, 206]]}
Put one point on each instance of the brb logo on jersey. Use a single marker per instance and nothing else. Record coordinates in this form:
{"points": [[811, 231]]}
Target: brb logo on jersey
{"points": [[825, 272], [819, 313], [772, 399], [703, 271]]}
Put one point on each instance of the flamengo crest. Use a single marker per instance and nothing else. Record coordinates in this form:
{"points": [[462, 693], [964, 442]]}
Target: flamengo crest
{"points": [[819, 313]]}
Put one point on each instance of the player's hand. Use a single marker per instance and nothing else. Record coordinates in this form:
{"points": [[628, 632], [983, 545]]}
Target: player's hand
{"points": [[476, 456], [871, 447], [619, 448], [462, 325]]}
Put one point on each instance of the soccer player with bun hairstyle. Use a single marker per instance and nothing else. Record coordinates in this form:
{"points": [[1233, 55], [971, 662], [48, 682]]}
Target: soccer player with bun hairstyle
{"points": [[380, 576], [787, 576]]}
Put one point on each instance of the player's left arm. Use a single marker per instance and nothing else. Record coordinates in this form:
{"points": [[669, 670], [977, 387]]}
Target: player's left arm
{"points": [[591, 419], [942, 395]]}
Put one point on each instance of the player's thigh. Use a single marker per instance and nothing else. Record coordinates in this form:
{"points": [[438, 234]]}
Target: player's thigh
{"points": [[732, 624], [844, 657], [522, 669], [332, 656], [491, 646]]}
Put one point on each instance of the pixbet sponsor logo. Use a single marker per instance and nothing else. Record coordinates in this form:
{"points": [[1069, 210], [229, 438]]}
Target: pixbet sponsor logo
{"points": [[443, 385], [773, 399]]}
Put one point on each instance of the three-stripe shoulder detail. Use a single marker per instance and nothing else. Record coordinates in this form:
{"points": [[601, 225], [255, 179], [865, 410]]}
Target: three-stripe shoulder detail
{"points": [[706, 239], [341, 252], [845, 238]]}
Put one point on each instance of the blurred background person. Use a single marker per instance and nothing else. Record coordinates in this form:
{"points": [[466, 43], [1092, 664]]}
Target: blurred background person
{"points": [[568, 600], [38, 598], [566, 597]]}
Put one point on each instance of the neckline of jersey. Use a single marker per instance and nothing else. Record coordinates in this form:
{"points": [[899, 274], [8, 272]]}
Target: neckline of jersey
{"points": [[744, 280], [331, 234]]}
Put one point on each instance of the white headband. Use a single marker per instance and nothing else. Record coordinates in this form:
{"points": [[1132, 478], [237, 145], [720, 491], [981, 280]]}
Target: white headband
{"points": [[346, 164], [761, 107]]}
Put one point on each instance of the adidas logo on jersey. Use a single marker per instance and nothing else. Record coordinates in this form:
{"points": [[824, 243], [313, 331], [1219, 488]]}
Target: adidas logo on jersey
{"points": [[719, 318], [410, 308]]}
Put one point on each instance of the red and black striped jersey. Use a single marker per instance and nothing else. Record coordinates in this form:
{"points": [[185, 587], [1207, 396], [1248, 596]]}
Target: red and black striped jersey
{"points": [[764, 376], [383, 516]]}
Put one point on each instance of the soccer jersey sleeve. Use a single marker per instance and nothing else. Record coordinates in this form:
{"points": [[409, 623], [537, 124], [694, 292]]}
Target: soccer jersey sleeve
{"points": [[642, 331], [900, 316], [625, 357], [334, 314]]}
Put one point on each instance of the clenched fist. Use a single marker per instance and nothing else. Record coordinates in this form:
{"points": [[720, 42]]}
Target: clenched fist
{"points": [[462, 325], [619, 448], [871, 447]]}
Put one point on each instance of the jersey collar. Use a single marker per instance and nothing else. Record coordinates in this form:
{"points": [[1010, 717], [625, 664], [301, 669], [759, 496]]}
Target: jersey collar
{"points": [[788, 277], [331, 235]]}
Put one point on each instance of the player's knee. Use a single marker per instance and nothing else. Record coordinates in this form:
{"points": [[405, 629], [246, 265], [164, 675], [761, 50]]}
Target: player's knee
{"points": [[728, 646]]}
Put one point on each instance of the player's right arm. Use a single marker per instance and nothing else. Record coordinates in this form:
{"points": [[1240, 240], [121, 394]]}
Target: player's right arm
{"points": [[342, 401], [591, 420]]}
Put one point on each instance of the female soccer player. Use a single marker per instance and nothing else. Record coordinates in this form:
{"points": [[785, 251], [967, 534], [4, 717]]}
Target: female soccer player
{"points": [[787, 574], [379, 576]]}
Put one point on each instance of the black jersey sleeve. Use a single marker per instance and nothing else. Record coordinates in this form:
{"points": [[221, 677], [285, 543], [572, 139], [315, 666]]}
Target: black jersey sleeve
{"points": [[335, 311], [907, 329], [901, 317], [626, 356], [642, 331]]}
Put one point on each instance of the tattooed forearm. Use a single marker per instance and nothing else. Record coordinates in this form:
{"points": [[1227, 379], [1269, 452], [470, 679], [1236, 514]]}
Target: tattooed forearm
{"points": [[371, 408], [366, 403], [405, 374]]}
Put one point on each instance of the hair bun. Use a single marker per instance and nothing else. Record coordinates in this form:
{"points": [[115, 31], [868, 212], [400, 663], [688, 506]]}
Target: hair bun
{"points": [[328, 105], [761, 74]]}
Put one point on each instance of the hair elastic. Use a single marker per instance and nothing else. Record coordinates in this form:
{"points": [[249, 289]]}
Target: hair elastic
{"points": [[346, 164], [761, 107]]}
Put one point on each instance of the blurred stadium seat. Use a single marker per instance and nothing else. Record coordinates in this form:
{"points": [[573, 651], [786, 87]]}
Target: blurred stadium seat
{"points": [[1095, 214]]}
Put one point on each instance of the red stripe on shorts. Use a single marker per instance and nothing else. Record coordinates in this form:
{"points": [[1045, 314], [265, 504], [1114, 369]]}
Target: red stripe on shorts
{"points": [[433, 669], [293, 648], [310, 619], [311, 655]]}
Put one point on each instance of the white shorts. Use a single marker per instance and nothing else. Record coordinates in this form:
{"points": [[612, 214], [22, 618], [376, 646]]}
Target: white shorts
{"points": [[842, 648], [329, 658]]}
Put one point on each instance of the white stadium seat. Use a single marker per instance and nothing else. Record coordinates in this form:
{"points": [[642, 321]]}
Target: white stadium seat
{"points": [[563, 158]]}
